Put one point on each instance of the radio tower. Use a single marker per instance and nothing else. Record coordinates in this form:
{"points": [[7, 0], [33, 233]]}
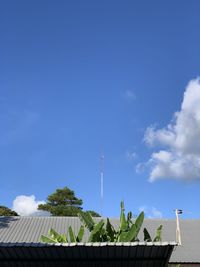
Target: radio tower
{"points": [[101, 177], [178, 231]]}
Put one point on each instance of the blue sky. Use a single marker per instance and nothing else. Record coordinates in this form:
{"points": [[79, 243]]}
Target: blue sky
{"points": [[79, 77]]}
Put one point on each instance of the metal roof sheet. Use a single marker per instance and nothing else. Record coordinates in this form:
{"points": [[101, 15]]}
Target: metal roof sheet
{"points": [[29, 229], [87, 254]]}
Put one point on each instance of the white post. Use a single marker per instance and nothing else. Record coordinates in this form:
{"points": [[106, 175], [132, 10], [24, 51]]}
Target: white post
{"points": [[178, 231]]}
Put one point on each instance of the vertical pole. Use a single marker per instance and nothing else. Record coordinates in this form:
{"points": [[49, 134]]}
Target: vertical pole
{"points": [[178, 232]]}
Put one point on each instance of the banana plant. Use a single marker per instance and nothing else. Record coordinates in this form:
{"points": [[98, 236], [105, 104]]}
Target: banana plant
{"points": [[128, 231], [55, 237], [73, 237], [87, 220], [157, 238], [97, 231], [110, 232], [103, 231], [96, 235]]}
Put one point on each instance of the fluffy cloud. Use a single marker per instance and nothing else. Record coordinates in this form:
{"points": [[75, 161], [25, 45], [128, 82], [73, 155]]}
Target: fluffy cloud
{"points": [[27, 206], [151, 212], [128, 94], [180, 154], [130, 155]]}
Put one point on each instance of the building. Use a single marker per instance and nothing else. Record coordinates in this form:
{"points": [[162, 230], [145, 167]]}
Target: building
{"points": [[20, 236]]}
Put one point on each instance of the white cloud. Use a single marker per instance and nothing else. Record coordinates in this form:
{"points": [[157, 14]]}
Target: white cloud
{"points": [[180, 156], [151, 212], [128, 94], [131, 155], [27, 206], [140, 167]]}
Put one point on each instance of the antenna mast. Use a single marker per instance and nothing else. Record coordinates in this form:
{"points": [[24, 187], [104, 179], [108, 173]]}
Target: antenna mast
{"points": [[178, 231], [101, 177]]}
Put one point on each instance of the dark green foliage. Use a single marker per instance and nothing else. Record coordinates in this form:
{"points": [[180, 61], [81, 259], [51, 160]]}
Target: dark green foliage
{"points": [[93, 213], [147, 236], [87, 220], [157, 238], [97, 233], [110, 231], [63, 202], [4, 211]]}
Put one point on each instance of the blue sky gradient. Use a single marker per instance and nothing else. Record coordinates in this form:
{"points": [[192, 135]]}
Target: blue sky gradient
{"points": [[79, 77]]}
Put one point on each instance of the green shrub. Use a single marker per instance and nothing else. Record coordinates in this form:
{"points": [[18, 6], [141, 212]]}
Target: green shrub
{"points": [[103, 231]]}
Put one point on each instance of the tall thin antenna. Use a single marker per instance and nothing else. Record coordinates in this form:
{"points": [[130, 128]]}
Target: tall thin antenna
{"points": [[178, 231], [101, 181]]}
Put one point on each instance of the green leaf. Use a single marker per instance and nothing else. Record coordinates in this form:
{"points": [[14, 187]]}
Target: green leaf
{"points": [[64, 238], [158, 237], [87, 220], [59, 238], [122, 237], [129, 216], [53, 233], [71, 235], [46, 239], [132, 234], [147, 236], [104, 237], [123, 222], [80, 234], [96, 233], [110, 231], [139, 222]]}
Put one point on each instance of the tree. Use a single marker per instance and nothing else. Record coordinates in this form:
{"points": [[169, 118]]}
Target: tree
{"points": [[93, 213], [63, 202], [4, 211]]}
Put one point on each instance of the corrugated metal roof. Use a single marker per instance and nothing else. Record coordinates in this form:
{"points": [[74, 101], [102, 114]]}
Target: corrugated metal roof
{"points": [[87, 254], [29, 229]]}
